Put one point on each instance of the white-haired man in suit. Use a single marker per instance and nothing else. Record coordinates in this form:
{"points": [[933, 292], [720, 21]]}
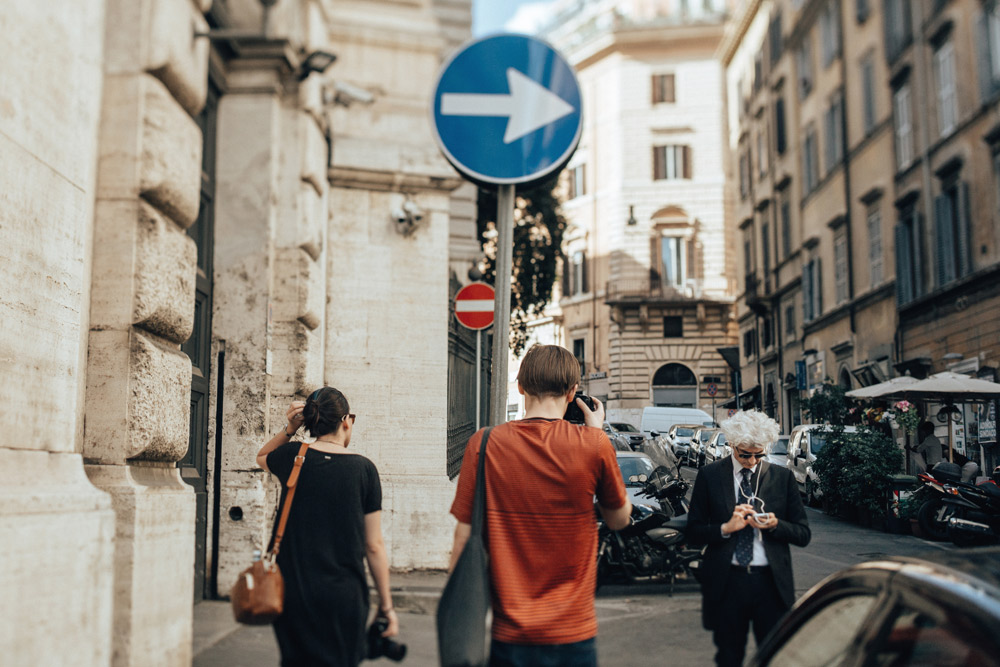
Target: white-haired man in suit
{"points": [[747, 512]]}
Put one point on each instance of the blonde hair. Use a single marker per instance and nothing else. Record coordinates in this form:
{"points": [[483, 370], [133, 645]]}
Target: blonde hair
{"points": [[751, 428]]}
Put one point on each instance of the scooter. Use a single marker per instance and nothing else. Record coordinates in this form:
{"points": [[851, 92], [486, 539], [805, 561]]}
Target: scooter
{"points": [[976, 519], [653, 547], [964, 513]]}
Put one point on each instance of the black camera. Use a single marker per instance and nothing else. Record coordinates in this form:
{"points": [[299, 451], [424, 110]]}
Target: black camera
{"points": [[574, 414], [379, 646]]}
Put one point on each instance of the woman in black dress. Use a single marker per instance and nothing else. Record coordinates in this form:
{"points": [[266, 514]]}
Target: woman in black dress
{"points": [[333, 526]]}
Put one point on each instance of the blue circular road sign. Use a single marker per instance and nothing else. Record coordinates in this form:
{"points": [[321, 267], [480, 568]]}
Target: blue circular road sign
{"points": [[506, 110]]}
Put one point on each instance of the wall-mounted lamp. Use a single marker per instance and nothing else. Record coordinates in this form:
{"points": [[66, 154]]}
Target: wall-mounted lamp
{"points": [[317, 61], [631, 216]]}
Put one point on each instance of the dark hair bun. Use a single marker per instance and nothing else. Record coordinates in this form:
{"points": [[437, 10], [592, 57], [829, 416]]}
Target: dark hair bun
{"points": [[325, 410]]}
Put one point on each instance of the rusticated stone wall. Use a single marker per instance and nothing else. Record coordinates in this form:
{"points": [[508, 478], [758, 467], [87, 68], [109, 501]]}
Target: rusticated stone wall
{"points": [[142, 305], [56, 528]]}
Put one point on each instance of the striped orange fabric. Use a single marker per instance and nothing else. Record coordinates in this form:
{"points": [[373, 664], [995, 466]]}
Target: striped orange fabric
{"points": [[541, 479]]}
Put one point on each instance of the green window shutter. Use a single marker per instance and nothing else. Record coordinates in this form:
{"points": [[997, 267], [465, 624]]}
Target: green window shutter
{"points": [[945, 241], [817, 282], [904, 265], [807, 292], [962, 227]]}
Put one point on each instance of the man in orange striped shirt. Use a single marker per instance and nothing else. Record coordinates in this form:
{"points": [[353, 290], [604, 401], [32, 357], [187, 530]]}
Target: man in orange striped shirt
{"points": [[542, 474]]}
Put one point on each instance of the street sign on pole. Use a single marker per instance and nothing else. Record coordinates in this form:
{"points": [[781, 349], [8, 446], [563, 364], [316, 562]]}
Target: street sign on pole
{"points": [[506, 111], [474, 306], [712, 389]]}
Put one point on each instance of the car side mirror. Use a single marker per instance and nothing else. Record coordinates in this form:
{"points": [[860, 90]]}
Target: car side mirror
{"points": [[643, 478], [632, 479], [655, 434]]}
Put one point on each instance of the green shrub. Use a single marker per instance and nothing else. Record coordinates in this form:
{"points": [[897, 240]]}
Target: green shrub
{"points": [[854, 469], [828, 405]]}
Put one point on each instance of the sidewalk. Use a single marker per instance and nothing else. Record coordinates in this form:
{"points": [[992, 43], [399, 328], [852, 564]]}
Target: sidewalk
{"points": [[219, 641]]}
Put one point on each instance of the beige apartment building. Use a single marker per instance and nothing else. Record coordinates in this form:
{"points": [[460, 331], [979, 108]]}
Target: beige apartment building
{"points": [[645, 301], [863, 167], [197, 228]]}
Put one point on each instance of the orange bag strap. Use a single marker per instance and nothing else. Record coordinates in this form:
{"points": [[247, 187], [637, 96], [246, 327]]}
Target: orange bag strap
{"points": [[293, 480]]}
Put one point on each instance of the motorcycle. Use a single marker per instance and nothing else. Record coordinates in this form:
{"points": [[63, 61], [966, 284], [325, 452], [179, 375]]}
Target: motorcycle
{"points": [[653, 547], [964, 513]]}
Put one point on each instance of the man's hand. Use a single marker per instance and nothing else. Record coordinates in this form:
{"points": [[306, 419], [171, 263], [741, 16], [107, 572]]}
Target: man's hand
{"points": [[593, 417], [738, 521], [768, 524]]}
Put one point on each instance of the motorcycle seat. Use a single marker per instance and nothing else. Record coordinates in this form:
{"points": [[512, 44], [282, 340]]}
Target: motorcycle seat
{"points": [[666, 536], [678, 523], [989, 488], [947, 471]]}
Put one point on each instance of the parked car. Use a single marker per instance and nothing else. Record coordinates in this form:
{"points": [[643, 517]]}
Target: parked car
{"points": [[942, 610], [717, 448], [630, 432], [618, 439], [779, 452], [660, 419], [697, 455], [804, 442], [679, 437]]}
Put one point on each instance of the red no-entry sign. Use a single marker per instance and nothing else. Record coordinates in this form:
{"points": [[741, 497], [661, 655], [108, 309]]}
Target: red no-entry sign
{"points": [[474, 306]]}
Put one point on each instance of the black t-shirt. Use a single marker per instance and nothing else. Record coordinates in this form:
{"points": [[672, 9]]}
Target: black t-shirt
{"points": [[322, 555]]}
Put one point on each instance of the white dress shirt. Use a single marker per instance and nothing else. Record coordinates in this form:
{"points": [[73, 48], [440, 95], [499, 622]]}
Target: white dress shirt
{"points": [[759, 556]]}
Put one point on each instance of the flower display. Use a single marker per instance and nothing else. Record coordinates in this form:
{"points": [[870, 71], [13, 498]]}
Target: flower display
{"points": [[906, 415]]}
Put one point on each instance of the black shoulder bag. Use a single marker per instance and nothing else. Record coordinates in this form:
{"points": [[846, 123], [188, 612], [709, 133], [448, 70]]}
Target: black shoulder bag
{"points": [[465, 600]]}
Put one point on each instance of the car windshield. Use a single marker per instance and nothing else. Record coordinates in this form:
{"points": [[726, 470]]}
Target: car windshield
{"points": [[684, 432], [705, 436], [780, 446], [625, 428], [634, 465], [817, 442]]}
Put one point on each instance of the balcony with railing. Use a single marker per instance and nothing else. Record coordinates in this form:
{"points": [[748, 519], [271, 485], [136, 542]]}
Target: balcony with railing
{"points": [[639, 290]]}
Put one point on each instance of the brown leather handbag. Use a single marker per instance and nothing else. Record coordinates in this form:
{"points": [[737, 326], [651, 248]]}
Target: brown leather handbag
{"points": [[258, 595]]}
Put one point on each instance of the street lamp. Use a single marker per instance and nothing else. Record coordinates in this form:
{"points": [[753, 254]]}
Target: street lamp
{"points": [[317, 61], [631, 216]]}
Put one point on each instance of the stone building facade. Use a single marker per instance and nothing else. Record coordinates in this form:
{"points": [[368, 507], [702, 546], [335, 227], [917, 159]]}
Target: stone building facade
{"points": [[646, 287], [198, 229], [863, 169]]}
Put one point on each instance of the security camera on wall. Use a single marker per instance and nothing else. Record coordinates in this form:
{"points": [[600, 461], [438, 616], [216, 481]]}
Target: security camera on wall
{"points": [[407, 217]]}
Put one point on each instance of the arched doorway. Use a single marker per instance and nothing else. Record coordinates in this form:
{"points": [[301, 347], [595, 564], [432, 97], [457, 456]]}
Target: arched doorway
{"points": [[845, 378], [674, 385]]}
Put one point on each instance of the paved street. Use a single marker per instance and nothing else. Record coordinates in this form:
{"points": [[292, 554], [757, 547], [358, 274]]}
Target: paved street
{"points": [[638, 624]]}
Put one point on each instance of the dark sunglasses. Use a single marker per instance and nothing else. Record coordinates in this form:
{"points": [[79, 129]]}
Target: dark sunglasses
{"points": [[350, 416], [747, 455]]}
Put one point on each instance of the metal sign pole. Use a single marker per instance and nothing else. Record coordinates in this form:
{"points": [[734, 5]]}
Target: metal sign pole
{"points": [[501, 308], [479, 381]]}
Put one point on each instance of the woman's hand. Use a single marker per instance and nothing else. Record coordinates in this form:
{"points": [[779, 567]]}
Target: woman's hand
{"points": [[393, 628], [294, 415]]}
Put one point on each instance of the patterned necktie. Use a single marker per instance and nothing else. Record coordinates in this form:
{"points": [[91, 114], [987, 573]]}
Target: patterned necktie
{"points": [[744, 538]]}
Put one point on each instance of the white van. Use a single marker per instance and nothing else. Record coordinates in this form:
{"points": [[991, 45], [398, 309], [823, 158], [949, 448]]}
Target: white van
{"points": [[661, 419]]}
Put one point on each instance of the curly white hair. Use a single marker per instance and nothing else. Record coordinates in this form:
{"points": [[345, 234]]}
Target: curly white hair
{"points": [[751, 428]]}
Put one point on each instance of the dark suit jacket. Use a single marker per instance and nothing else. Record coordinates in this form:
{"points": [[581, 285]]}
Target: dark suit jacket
{"points": [[712, 502]]}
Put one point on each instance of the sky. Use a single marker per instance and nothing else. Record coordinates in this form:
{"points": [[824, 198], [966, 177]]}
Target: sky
{"points": [[489, 16]]}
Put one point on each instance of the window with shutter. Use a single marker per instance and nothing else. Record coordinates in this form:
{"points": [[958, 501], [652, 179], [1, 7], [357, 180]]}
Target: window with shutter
{"points": [[775, 38], [663, 88], [779, 123], [945, 240], [944, 76], [785, 210], [803, 61], [874, 219], [817, 286], [659, 163], [963, 231], [904, 265], [807, 292], [862, 10], [688, 162], [829, 24], [868, 93], [765, 246], [833, 120], [904, 129], [840, 265]]}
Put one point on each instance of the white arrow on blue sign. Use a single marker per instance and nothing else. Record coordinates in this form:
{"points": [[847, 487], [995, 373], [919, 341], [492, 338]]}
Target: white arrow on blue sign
{"points": [[507, 110]]}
